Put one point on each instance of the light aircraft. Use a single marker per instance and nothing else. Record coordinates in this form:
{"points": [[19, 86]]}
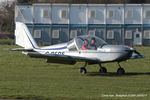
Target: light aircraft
{"points": [[72, 51]]}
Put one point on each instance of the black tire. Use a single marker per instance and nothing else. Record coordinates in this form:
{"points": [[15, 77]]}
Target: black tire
{"points": [[103, 70], [120, 71], [82, 70]]}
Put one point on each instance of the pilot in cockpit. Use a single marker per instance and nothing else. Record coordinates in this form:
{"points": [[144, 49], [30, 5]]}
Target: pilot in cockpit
{"points": [[85, 45], [92, 45]]}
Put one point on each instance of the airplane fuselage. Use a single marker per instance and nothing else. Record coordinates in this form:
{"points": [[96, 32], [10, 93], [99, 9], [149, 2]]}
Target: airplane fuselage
{"points": [[108, 53]]}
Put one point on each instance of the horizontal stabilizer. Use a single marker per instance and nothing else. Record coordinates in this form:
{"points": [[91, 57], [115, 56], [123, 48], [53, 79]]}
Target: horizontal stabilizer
{"points": [[20, 49]]}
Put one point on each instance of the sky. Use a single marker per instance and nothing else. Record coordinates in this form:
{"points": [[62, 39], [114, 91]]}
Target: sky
{"points": [[5, 0], [1, 1]]}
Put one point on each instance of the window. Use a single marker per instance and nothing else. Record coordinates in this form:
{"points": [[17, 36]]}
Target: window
{"points": [[37, 34], [73, 34], [92, 32], [20, 12], [55, 34], [92, 14], [147, 14], [137, 35], [128, 35], [111, 14], [63, 14], [146, 34], [110, 34], [45, 13], [129, 14]]}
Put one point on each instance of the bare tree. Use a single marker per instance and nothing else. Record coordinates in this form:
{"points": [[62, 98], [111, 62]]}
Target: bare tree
{"points": [[7, 17]]}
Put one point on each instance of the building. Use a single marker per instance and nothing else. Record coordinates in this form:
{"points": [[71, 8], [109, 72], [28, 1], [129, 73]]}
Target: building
{"points": [[127, 24]]}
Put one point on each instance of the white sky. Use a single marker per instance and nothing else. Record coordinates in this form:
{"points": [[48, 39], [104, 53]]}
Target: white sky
{"points": [[1, 1], [5, 0]]}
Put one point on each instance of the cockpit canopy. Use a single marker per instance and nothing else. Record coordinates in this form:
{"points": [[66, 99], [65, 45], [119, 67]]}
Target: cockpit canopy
{"points": [[78, 42]]}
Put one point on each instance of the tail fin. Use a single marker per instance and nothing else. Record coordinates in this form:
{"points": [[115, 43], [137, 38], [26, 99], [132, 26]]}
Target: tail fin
{"points": [[24, 37]]}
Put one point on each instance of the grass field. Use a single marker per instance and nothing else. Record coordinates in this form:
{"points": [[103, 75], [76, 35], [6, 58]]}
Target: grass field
{"points": [[24, 77]]}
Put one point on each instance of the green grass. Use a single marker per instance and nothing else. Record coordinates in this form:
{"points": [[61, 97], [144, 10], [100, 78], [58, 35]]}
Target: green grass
{"points": [[24, 77], [7, 42]]}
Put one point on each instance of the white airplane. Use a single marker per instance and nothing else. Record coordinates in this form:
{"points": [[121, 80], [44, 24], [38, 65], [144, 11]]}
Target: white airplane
{"points": [[78, 49]]}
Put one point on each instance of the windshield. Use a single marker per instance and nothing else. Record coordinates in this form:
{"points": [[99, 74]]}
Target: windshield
{"points": [[85, 42], [89, 42], [71, 45]]}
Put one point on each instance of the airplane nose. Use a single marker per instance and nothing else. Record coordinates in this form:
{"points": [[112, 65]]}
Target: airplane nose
{"points": [[129, 49], [132, 49]]}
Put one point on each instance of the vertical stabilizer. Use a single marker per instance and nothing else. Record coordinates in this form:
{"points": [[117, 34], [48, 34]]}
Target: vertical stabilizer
{"points": [[23, 36]]}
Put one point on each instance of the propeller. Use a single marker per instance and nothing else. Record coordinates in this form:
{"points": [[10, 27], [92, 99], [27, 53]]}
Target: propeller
{"points": [[136, 52]]}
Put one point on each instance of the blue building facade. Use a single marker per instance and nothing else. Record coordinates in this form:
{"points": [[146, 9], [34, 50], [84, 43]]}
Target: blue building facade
{"points": [[49, 24]]}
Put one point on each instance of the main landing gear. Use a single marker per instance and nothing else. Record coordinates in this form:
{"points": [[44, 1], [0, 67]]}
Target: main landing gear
{"points": [[102, 69], [120, 70], [82, 70]]}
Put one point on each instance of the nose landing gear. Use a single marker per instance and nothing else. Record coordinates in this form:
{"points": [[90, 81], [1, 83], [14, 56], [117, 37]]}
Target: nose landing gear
{"points": [[120, 70]]}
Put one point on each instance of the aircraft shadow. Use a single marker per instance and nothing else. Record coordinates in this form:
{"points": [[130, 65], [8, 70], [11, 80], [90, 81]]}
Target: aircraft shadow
{"points": [[114, 74]]}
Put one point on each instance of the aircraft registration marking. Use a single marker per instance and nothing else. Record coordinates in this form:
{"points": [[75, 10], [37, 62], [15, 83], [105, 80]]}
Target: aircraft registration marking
{"points": [[59, 53]]}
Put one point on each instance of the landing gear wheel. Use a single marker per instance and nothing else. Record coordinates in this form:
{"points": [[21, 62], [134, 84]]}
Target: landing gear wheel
{"points": [[103, 70], [83, 70], [120, 71]]}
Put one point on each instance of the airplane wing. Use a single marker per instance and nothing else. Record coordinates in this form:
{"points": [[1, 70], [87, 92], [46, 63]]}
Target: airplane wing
{"points": [[55, 58]]}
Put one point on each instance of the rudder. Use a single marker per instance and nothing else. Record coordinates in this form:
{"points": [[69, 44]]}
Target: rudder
{"points": [[23, 37]]}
